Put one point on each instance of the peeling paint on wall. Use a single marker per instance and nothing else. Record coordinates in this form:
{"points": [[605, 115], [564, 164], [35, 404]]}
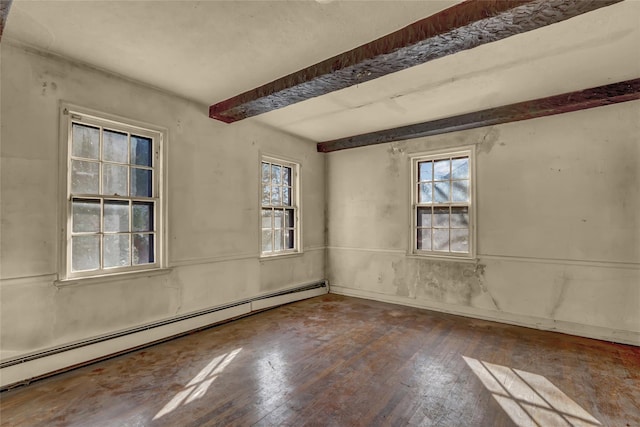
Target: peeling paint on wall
{"points": [[449, 281], [401, 285], [443, 281], [396, 155], [489, 139], [561, 283]]}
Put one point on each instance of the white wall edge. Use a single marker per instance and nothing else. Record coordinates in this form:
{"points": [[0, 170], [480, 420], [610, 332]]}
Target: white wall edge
{"points": [[582, 263], [211, 260], [47, 279], [570, 328], [235, 257], [479, 257], [372, 250]]}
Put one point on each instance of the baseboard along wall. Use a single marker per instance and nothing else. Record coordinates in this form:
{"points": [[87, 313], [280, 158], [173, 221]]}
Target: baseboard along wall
{"points": [[26, 368]]}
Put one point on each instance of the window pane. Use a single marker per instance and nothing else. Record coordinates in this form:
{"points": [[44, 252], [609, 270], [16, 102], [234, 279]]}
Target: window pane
{"points": [[141, 150], [460, 191], [286, 196], [85, 253], [441, 217], [84, 177], [460, 217], [289, 239], [116, 216], [460, 168], [86, 215], [278, 224], [278, 243], [116, 250], [114, 180], [442, 183], [276, 176], [441, 170], [266, 218], [286, 176], [441, 192], [425, 192], [266, 195], [278, 219], [143, 216], [275, 195], [460, 240], [85, 141], [441, 240], [115, 147], [425, 171], [289, 218], [424, 239], [141, 182], [267, 244], [143, 249], [424, 217]]}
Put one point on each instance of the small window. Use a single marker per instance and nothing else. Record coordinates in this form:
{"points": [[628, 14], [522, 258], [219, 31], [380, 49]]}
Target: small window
{"points": [[442, 195], [113, 198], [279, 207]]}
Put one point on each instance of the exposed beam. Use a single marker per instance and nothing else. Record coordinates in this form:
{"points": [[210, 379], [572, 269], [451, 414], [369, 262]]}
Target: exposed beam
{"points": [[461, 27], [573, 101], [5, 5]]}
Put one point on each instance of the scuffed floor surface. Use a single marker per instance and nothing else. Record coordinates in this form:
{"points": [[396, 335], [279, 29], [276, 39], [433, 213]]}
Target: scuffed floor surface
{"points": [[339, 361]]}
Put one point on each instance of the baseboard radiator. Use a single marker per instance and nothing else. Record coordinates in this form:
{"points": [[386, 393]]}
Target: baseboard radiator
{"points": [[26, 368]]}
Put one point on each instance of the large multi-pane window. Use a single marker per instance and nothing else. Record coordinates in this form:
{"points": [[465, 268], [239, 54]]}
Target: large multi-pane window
{"points": [[113, 197], [443, 204], [279, 212]]}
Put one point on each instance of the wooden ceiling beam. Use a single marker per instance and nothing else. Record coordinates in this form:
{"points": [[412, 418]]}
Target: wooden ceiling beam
{"points": [[573, 101], [464, 26], [5, 5]]}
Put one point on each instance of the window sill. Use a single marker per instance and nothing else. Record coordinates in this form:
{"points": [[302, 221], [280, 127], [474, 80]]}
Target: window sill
{"points": [[448, 258], [280, 256], [92, 280]]}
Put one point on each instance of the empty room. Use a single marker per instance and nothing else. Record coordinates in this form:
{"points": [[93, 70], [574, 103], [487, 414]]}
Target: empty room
{"points": [[320, 212]]}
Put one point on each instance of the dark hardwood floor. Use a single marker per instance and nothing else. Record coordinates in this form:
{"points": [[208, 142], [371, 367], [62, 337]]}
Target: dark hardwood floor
{"points": [[339, 361]]}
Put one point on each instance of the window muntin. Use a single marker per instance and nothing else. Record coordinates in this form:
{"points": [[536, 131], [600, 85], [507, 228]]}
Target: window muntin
{"points": [[279, 208], [113, 197], [442, 211]]}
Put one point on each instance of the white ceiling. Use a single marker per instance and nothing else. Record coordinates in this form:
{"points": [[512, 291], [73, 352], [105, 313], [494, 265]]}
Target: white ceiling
{"points": [[208, 51]]}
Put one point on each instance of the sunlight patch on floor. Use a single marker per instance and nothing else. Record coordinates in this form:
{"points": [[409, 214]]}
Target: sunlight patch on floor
{"points": [[199, 385], [530, 399]]}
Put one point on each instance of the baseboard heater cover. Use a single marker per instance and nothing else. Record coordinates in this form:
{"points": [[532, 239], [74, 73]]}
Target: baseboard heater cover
{"points": [[236, 309]]}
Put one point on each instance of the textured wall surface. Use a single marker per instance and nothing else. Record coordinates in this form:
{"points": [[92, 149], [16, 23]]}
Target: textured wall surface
{"points": [[558, 234], [213, 208]]}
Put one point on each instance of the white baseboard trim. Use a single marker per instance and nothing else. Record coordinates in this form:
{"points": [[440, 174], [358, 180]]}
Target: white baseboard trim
{"points": [[264, 303], [26, 368], [570, 328], [26, 371]]}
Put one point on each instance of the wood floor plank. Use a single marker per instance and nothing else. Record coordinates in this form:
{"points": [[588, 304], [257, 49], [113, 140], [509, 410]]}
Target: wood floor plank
{"points": [[341, 361]]}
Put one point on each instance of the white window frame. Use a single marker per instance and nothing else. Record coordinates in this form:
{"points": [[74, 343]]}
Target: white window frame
{"points": [[295, 205], [468, 151], [70, 114]]}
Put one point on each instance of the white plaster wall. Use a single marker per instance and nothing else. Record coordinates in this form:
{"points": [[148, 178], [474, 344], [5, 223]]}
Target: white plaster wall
{"points": [[213, 208], [557, 219]]}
